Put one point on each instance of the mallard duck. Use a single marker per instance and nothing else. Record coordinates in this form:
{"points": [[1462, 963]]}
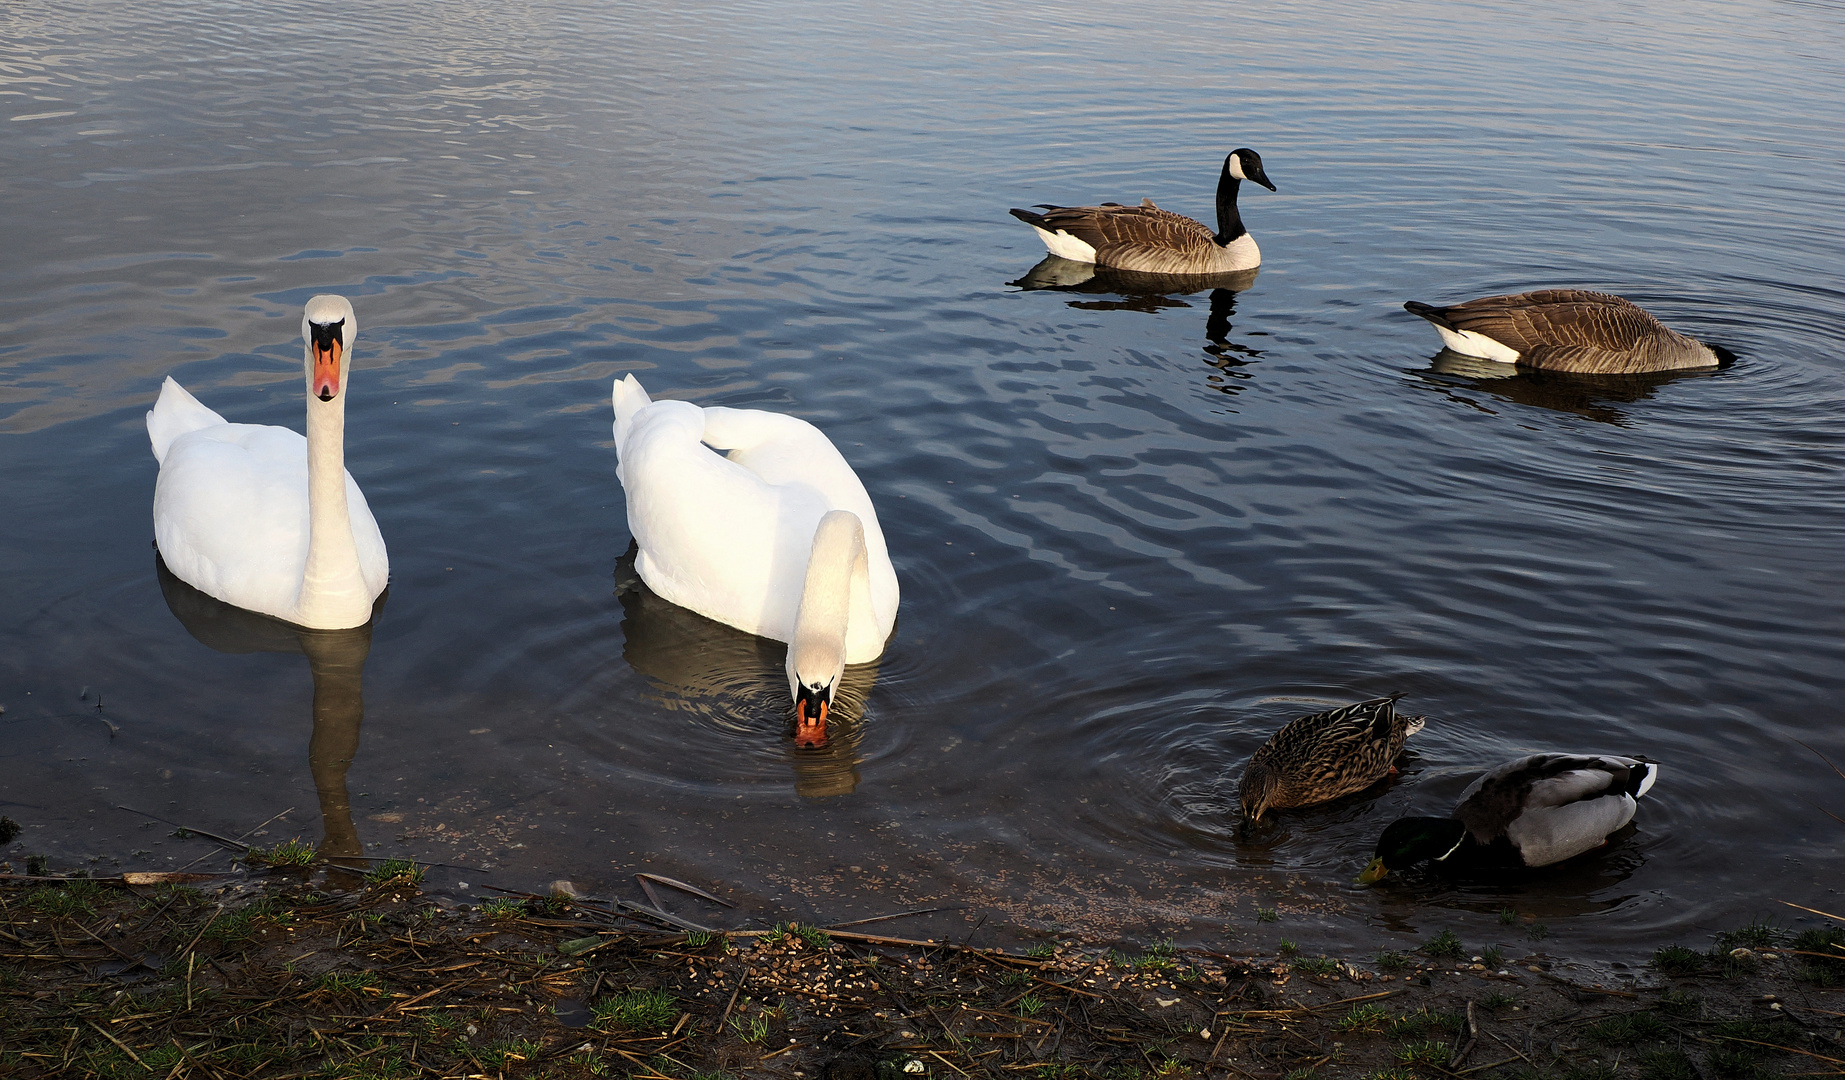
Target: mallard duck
{"points": [[1157, 241], [1318, 758], [1566, 330], [1534, 811]]}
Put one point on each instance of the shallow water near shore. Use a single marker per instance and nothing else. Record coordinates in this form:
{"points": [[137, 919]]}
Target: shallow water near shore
{"points": [[1135, 531]]}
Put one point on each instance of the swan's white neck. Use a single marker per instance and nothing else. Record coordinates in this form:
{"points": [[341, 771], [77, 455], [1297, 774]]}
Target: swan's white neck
{"points": [[333, 592], [837, 588]]}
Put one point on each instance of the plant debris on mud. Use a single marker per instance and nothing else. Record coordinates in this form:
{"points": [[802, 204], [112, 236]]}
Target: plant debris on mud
{"points": [[254, 980]]}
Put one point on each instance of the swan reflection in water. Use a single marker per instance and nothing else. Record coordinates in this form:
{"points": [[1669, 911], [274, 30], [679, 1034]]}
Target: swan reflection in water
{"points": [[738, 682], [336, 659], [1591, 397], [1137, 291]]}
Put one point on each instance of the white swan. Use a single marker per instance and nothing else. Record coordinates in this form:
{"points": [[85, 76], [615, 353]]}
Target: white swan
{"points": [[261, 518], [777, 538]]}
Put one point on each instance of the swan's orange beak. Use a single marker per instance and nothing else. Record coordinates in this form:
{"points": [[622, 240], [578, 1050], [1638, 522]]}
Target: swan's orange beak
{"points": [[810, 709], [327, 344]]}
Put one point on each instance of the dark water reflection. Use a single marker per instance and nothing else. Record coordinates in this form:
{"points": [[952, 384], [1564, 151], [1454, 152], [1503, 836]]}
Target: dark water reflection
{"points": [[1592, 397], [739, 682], [336, 661], [1137, 528]]}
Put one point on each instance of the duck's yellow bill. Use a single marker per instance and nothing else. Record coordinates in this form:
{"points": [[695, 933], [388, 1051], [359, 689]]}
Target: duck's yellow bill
{"points": [[1373, 872]]}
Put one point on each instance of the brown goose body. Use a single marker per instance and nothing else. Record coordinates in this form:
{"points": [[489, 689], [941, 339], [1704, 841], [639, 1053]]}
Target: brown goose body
{"points": [[1566, 330], [1155, 241], [1321, 757]]}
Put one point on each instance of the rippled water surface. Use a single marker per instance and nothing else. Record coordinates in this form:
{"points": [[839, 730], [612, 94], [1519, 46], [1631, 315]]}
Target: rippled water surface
{"points": [[1136, 531]]}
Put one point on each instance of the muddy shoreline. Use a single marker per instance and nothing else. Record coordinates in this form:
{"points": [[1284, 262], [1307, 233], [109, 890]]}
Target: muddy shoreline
{"points": [[333, 974]]}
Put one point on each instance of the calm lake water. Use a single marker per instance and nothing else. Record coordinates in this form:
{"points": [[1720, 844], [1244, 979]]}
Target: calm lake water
{"points": [[1135, 533]]}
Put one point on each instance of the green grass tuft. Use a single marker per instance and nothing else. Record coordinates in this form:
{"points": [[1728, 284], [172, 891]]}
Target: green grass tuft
{"points": [[1825, 964], [294, 852], [1422, 1023], [1365, 1020], [1390, 960], [1677, 960], [1756, 935], [348, 984], [1424, 1053], [1445, 945], [638, 1010], [1317, 965], [76, 897], [503, 908], [395, 872]]}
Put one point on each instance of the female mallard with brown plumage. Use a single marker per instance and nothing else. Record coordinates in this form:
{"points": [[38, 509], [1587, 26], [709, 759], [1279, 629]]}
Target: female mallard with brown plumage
{"points": [[1318, 758], [1533, 811]]}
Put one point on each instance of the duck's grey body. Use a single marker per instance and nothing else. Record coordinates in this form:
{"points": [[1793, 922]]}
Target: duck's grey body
{"points": [[1565, 330], [1155, 241], [1552, 806]]}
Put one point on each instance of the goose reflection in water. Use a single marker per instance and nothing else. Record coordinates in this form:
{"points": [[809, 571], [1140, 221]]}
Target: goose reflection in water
{"points": [[1137, 291], [1591, 397], [736, 680], [336, 659]]}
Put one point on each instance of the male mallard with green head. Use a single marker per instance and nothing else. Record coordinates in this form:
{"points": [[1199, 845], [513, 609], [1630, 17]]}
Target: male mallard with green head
{"points": [[1534, 811], [1318, 758]]}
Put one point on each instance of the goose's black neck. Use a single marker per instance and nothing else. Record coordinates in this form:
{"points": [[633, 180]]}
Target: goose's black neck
{"points": [[1229, 222]]}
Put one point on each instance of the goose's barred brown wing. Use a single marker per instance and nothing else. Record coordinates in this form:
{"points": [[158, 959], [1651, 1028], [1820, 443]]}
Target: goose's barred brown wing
{"points": [[1108, 228], [1556, 318]]}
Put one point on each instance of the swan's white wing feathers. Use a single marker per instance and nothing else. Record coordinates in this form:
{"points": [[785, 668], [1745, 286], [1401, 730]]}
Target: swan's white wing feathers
{"points": [[788, 450], [737, 551], [174, 413], [713, 553], [231, 516]]}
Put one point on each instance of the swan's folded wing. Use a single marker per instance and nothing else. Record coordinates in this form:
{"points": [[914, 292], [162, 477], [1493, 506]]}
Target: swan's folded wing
{"points": [[713, 536], [175, 413], [788, 451], [231, 514]]}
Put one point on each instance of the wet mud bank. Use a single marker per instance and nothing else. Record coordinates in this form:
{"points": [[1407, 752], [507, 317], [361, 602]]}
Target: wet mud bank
{"points": [[364, 977]]}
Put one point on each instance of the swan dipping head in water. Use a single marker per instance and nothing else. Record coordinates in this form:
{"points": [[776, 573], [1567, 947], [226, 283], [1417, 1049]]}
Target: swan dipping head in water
{"points": [[817, 655], [755, 520]]}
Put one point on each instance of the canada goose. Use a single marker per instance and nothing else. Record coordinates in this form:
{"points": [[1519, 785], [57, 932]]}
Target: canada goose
{"points": [[1533, 811], [1318, 758], [1566, 330], [777, 537], [1152, 240], [261, 518]]}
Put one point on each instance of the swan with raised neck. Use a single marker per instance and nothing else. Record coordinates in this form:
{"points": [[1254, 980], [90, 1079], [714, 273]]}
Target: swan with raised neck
{"points": [[333, 591], [259, 517]]}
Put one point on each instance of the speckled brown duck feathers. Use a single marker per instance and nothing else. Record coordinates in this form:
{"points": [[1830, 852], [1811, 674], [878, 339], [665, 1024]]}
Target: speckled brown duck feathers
{"points": [[1566, 330], [1321, 757]]}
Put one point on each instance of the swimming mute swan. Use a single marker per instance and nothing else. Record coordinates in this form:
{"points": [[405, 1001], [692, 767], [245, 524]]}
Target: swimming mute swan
{"points": [[259, 517], [777, 537]]}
